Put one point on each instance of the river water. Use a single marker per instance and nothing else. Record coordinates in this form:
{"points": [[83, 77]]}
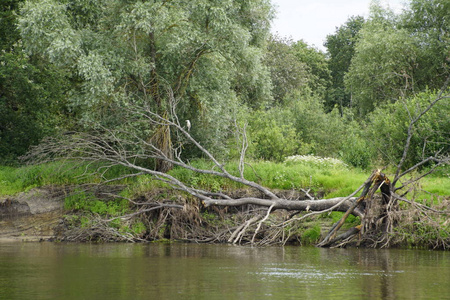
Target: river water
{"points": [[191, 271]]}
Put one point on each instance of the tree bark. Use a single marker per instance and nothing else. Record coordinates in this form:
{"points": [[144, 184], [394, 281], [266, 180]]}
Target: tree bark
{"points": [[341, 203]]}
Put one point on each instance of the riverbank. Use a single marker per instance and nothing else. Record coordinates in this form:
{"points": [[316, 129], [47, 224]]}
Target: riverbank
{"points": [[42, 214], [32, 215], [49, 202]]}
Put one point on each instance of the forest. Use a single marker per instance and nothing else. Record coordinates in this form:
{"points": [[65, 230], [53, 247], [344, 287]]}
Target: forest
{"points": [[126, 92]]}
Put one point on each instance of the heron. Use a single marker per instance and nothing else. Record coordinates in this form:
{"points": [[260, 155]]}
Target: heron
{"points": [[188, 125]]}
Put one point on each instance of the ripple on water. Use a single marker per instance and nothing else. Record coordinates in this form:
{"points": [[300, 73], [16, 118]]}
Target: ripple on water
{"points": [[318, 275]]}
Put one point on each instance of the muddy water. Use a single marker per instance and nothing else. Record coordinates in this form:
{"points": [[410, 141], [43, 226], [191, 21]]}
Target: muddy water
{"points": [[188, 271]]}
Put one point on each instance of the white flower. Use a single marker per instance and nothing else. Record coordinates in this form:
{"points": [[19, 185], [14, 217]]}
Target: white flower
{"points": [[316, 160]]}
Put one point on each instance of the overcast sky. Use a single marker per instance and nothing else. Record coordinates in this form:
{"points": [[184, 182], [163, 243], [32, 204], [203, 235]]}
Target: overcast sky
{"points": [[313, 20]]}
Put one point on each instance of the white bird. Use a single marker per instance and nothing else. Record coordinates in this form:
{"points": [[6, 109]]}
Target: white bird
{"points": [[188, 125]]}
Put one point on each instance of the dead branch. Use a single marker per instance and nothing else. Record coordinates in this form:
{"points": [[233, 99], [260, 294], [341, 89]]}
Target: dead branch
{"points": [[262, 220]]}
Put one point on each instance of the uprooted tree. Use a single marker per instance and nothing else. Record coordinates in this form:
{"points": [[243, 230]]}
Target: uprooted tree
{"points": [[380, 213]]}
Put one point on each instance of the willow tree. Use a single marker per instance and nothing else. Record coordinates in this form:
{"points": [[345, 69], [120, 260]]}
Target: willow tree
{"points": [[341, 49], [397, 56], [123, 53], [429, 22], [381, 69]]}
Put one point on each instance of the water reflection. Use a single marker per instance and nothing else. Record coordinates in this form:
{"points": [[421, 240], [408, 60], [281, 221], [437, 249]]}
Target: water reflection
{"points": [[188, 271]]}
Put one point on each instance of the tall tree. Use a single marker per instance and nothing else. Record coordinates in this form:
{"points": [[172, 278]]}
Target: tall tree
{"points": [[207, 53], [32, 97], [295, 66], [319, 77], [399, 55], [429, 22], [288, 73], [385, 55], [341, 48]]}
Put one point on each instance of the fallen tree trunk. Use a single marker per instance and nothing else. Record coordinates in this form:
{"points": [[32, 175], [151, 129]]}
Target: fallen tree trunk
{"points": [[339, 204]]}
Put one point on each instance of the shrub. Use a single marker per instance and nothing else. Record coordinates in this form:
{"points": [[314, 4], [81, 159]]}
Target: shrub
{"points": [[356, 151], [388, 127], [272, 138]]}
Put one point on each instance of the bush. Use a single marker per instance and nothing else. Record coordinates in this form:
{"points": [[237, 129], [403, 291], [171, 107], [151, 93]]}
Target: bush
{"points": [[323, 132], [388, 127], [356, 151], [271, 136], [300, 127]]}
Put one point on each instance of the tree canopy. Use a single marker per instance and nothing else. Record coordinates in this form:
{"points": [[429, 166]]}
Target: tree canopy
{"points": [[399, 55], [341, 48], [208, 53], [78, 65]]}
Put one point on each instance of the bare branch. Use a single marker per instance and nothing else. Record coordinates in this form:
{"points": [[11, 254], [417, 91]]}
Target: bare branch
{"points": [[260, 222]]}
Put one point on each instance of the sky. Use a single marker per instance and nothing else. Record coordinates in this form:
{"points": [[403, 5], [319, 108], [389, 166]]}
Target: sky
{"points": [[313, 20]]}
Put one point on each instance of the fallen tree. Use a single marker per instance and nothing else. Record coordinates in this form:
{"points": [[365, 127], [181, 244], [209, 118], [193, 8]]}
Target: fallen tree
{"points": [[379, 213]]}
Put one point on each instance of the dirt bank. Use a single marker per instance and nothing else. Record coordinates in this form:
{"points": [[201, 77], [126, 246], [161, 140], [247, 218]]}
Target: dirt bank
{"points": [[39, 215], [31, 216]]}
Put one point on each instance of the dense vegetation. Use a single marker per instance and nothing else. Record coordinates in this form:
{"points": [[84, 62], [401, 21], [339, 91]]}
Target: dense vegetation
{"points": [[72, 65], [147, 85]]}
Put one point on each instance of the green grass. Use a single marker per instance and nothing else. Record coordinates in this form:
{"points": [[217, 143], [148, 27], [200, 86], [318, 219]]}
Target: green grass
{"points": [[22, 179], [323, 178], [437, 185], [431, 189], [332, 181]]}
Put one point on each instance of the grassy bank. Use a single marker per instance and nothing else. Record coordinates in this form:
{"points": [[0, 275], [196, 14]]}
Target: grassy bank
{"points": [[327, 177], [94, 216]]}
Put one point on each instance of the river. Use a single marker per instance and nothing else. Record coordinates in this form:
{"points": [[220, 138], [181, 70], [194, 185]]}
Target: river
{"points": [[190, 271]]}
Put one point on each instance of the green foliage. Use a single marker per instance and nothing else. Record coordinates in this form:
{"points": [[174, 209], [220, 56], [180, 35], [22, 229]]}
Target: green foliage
{"points": [[87, 202], [388, 127], [209, 53], [287, 72], [319, 75], [323, 133], [357, 151], [429, 22], [295, 66], [341, 49], [14, 180], [302, 127], [311, 235], [31, 92], [272, 139], [397, 55], [381, 69], [9, 34]]}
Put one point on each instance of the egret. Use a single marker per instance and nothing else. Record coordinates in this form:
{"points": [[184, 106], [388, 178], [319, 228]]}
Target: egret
{"points": [[188, 125]]}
